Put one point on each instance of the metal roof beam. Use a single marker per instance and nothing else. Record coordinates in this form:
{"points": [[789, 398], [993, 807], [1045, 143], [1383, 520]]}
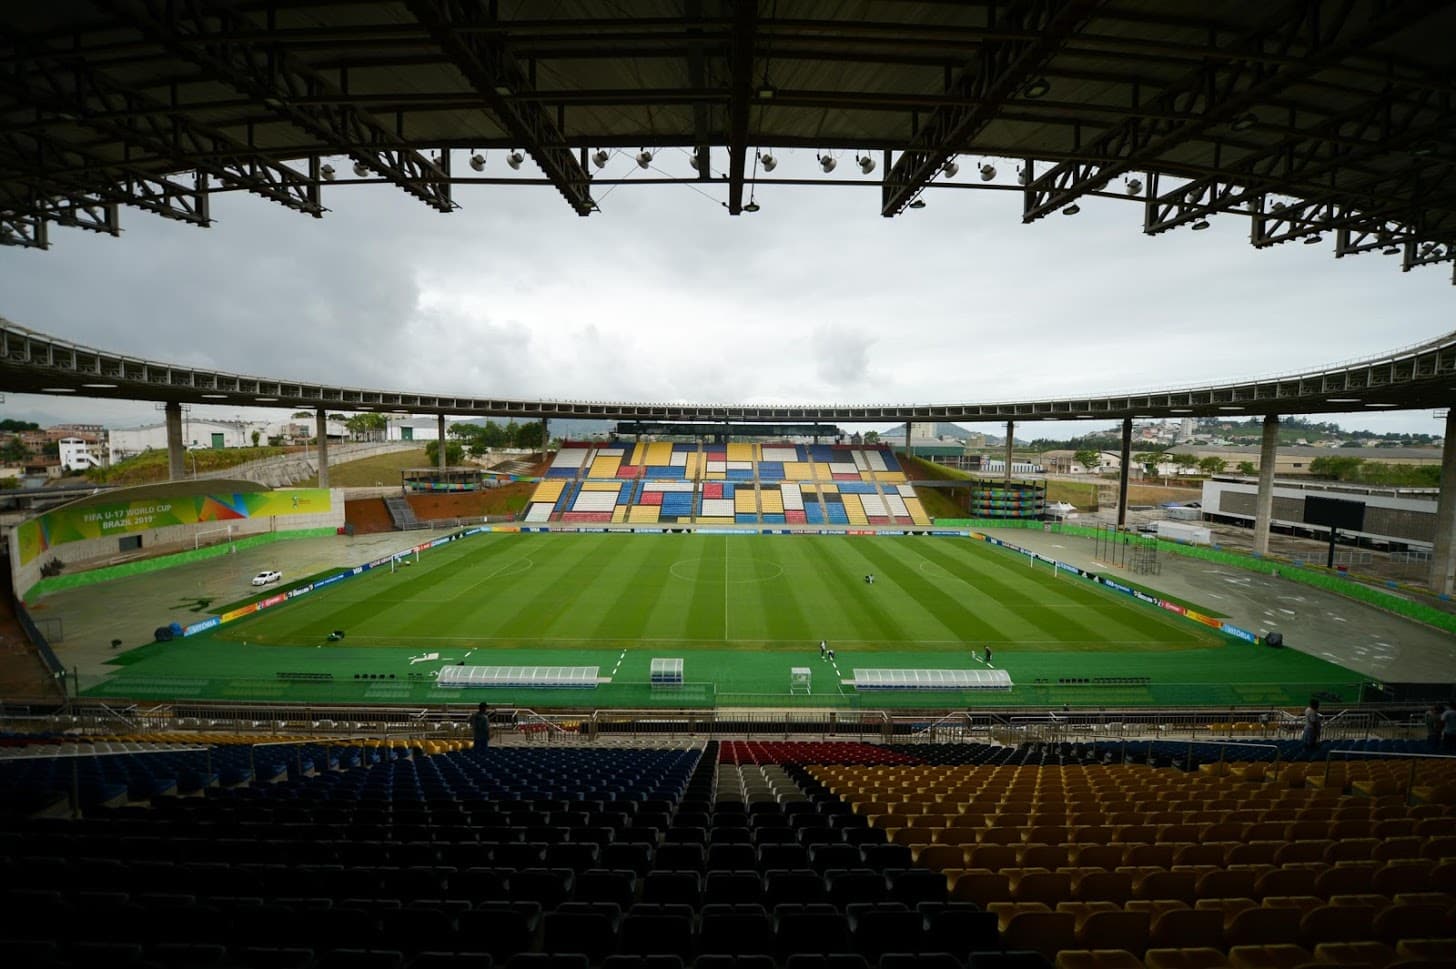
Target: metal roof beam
{"points": [[1000, 69], [65, 86], [206, 35], [490, 69], [740, 102], [1394, 120], [1220, 91], [77, 174]]}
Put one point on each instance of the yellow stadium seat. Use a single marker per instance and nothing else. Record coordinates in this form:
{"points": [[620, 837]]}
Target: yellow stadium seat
{"points": [[1279, 956], [1185, 958]]}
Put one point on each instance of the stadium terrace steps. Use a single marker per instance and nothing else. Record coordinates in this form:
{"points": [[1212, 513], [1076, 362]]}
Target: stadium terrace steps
{"points": [[736, 483], [401, 512]]}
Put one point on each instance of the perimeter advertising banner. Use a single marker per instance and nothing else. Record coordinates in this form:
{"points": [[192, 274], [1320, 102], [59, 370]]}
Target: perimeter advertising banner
{"points": [[64, 525]]}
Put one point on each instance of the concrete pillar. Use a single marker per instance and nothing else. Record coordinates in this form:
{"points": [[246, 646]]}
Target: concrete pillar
{"points": [[1443, 557], [176, 447], [1264, 501], [908, 427], [321, 434], [545, 437], [1010, 442], [1123, 472], [440, 457]]}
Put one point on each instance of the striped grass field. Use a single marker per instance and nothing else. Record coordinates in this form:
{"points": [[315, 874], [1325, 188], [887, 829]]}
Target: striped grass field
{"points": [[740, 610]]}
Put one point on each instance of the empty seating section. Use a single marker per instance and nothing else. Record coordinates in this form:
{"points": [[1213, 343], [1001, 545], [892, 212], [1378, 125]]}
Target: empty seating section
{"points": [[770, 484], [738, 855]]}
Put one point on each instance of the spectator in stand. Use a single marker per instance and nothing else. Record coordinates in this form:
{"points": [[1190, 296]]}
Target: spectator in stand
{"points": [[1312, 723], [480, 726]]}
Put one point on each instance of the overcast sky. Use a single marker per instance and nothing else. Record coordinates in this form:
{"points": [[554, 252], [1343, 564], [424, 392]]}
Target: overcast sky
{"points": [[661, 296]]}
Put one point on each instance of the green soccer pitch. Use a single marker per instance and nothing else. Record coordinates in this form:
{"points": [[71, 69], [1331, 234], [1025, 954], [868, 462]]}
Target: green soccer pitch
{"points": [[740, 611]]}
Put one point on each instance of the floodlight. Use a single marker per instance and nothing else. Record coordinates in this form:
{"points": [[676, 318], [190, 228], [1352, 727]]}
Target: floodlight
{"points": [[950, 168], [693, 160], [1244, 122], [1134, 185], [917, 204], [752, 206], [1021, 176], [514, 159], [1390, 250], [361, 169], [827, 163], [599, 158], [1037, 88], [1313, 240], [644, 158], [327, 172], [988, 171], [769, 162], [866, 163], [477, 162], [1072, 209], [1200, 225]]}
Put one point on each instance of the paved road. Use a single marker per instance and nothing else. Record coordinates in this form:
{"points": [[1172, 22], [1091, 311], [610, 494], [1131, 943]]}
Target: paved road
{"points": [[1361, 637]]}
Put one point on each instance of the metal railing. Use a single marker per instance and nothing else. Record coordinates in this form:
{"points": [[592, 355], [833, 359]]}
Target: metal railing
{"points": [[1410, 781]]}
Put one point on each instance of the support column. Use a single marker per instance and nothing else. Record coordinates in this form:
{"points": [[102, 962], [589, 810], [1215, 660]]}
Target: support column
{"points": [[908, 426], [176, 447], [1123, 472], [1264, 501], [440, 457], [321, 434], [1010, 443], [1443, 557], [545, 437]]}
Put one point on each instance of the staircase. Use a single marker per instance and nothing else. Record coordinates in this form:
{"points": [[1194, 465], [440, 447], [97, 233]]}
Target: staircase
{"points": [[402, 514]]}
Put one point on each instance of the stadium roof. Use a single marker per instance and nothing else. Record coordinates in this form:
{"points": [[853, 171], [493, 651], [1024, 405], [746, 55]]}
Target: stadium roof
{"points": [[1328, 121], [1423, 376]]}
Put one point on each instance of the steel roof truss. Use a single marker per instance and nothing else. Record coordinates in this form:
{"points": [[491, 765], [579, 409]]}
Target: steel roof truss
{"points": [[1000, 69], [740, 102], [67, 87], [207, 35], [490, 69], [1220, 90]]}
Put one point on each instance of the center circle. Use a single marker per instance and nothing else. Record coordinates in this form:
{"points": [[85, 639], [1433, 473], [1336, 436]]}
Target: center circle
{"points": [[738, 573]]}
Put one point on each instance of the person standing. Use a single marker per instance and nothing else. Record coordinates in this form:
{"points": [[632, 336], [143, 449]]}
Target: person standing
{"points": [[988, 654], [480, 726], [1312, 723], [823, 648]]}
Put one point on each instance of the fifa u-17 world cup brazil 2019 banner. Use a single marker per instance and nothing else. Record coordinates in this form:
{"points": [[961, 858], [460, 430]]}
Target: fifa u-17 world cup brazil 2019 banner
{"points": [[64, 525]]}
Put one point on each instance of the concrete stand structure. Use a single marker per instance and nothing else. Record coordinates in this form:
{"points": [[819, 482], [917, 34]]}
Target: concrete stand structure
{"points": [[1264, 502], [176, 447], [1123, 471], [440, 451], [1010, 444], [321, 435], [1443, 558]]}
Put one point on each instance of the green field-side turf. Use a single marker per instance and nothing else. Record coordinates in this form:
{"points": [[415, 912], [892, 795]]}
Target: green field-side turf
{"points": [[740, 610]]}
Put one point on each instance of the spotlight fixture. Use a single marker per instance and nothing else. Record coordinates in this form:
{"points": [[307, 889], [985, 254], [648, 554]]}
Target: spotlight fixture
{"points": [[1134, 185], [361, 169], [1072, 209], [599, 158], [644, 158], [1200, 225], [917, 204], [1427, 250], [827, 163], [1390, 250], [327, 172], [1313, 240], [752, 206], [1244, 122], [693, 160], [951, 168], [1037, 88], [514, 159], [865, 162], [988, 171], [1021, 177], [477, 162], [769, 162]]}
